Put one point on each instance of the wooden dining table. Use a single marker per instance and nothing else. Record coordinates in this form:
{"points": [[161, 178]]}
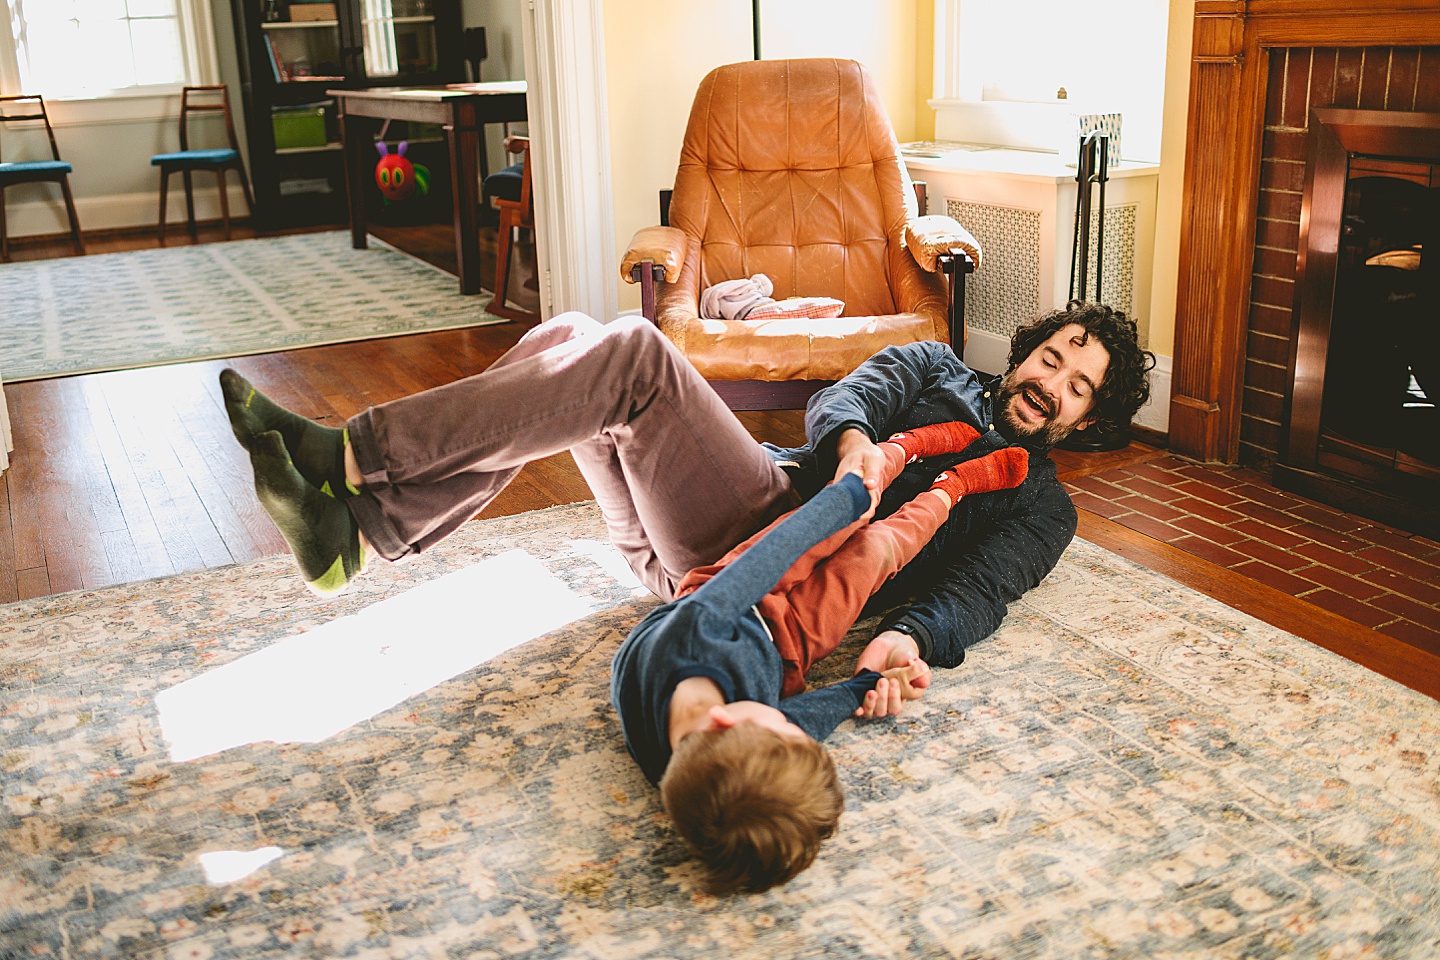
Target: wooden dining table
{"points": [[463, 110]]}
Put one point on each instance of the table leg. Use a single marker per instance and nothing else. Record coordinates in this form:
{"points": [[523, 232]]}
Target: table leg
{"points": [[355, 137], [464, 140]]}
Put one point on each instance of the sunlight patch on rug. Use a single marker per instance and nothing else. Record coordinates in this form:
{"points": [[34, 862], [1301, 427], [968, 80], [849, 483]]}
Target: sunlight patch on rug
{"points": [[227, 866], [311, 686], [607, 558]]}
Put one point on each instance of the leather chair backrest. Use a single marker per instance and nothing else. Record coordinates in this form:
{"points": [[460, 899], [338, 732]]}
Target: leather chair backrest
{"points": [[790, 168]]}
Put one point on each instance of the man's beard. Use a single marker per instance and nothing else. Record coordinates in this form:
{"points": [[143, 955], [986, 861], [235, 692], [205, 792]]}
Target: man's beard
{"points": [[1047, 432]]}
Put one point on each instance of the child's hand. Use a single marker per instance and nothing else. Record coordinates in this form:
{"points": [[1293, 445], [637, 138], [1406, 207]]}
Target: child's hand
{"points": [[896, 685]]}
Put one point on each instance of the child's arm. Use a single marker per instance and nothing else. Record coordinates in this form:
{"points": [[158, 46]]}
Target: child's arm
{"points": [[731, 593], [818, 712]]}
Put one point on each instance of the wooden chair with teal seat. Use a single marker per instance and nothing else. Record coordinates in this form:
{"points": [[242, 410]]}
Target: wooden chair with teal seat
{"points": [[202, 100], [26, 109]]}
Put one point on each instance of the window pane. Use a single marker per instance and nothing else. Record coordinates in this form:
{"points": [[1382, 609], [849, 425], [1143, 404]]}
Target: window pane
{"points": [[157, 51], [1109, 58], [151, 8], [78, 47]]}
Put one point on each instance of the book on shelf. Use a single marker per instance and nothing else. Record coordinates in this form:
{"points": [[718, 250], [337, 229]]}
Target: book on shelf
{"points": [[276, 67]]}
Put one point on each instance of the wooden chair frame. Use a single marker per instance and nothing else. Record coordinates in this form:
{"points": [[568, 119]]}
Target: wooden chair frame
{"points": [[513, 214], [188, 106], [59, 176]]}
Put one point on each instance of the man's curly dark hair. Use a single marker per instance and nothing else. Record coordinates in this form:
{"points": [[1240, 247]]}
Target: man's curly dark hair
{"points": [[1126, 386]]}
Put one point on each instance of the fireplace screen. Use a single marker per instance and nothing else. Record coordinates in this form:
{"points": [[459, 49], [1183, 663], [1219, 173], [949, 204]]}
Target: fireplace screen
{"points": [[1382, 373], [1364, 394]]}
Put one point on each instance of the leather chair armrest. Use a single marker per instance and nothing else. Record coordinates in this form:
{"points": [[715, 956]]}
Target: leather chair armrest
{"points": [[930, 238], [664, 246]]}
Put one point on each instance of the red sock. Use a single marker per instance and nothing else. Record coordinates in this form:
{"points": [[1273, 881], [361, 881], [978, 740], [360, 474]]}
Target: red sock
{"points": [[1001, 470], [935, 439]]}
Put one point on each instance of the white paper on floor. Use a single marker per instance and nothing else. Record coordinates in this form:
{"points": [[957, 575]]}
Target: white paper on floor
{"points": [[313, 685]]}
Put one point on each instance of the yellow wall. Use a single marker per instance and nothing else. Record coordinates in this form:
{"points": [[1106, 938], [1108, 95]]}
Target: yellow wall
{"points": [[924, 68], [879, 33], [656, 55], [1172, 173]]}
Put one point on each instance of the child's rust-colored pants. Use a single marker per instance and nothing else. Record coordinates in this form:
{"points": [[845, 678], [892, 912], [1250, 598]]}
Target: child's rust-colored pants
{"points": [[821, 596]]}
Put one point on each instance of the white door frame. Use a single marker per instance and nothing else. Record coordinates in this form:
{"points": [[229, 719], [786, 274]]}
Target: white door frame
{"points": [[574, 216]]}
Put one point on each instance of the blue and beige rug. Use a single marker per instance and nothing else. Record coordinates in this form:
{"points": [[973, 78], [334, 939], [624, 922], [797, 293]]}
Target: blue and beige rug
{"points": [[146, 307], [1127, 769]]}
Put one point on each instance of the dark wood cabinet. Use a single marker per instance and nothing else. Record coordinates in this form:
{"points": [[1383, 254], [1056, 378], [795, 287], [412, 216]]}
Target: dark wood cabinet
{"points": [[290, 54]]}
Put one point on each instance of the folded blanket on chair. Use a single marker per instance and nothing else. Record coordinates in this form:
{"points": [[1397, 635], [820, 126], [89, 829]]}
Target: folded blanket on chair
{"points": [[734, 299], [812, 308]]}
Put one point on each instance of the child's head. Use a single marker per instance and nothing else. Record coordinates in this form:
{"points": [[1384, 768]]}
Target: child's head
{"points": [[753, 803]]}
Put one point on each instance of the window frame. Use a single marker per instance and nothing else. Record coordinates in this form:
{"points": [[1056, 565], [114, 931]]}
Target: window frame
{"points": [[962, 113], [200, 64]]}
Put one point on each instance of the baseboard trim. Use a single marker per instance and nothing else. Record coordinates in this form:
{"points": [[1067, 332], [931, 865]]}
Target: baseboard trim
{"points": [[46, 217]]}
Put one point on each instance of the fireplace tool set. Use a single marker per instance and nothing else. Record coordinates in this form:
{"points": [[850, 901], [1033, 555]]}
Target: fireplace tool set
{"points": [[1091, 172]]}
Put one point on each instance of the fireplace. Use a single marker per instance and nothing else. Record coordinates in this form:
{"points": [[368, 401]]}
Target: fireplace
{"points": [[1362, 401], [1258, 68]]}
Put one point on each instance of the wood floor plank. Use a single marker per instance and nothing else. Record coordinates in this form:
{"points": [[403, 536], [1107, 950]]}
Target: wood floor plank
{"points": [[91, 507], [140, 526], [24, 478], [125, 562], [203, 444], [32, 582], [8, 591], [172, 518], [67, 528], [161, 429]]}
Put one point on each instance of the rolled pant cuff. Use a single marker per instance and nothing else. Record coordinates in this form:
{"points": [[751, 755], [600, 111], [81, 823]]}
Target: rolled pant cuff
{"points": [[363, 506]]}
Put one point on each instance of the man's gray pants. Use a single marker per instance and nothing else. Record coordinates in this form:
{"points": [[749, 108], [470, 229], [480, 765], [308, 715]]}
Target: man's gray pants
{"points": [[678, 478]]}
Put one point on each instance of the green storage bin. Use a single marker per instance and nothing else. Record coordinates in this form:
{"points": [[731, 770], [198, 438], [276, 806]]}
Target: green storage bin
{"points": [[299, 127]]}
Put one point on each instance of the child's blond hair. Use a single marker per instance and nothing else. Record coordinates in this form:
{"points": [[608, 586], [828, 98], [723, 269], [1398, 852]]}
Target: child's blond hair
{"points": [[753, 804]]}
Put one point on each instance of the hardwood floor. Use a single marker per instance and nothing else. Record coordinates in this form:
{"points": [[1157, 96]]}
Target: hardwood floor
{"points": [[123, 476]]}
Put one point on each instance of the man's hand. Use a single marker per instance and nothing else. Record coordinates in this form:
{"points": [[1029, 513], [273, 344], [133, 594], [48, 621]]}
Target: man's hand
{"points": [[904, 676], [859, 455]]}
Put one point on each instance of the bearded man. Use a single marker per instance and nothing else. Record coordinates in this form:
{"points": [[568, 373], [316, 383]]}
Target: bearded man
{"points": [[1073, 369]]}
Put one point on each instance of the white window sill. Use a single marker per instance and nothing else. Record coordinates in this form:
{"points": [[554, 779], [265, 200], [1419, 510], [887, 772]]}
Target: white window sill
{"points": [[132, 105], [1002, 123]]}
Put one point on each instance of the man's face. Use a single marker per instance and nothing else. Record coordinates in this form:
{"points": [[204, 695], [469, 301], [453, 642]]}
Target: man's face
{"points": [[1053, 391]]}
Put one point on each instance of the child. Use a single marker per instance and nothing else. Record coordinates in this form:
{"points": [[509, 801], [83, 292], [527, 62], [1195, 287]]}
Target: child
{"points": [[698, 684]]}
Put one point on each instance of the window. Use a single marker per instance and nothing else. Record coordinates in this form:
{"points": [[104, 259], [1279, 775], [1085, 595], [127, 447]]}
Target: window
{"points": [[1108, 57], [96, 48]]}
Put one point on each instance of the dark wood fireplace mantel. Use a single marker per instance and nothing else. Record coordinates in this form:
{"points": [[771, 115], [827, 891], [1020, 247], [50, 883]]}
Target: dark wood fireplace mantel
{"points": [[1229, 83]]}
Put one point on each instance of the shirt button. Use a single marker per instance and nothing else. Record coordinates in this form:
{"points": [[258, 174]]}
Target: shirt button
{"points": [[987, 393], [990, 427]]}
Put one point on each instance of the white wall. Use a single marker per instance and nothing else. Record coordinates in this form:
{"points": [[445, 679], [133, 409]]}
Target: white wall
{"points": [[505, 59], [1172, 178], [879, 33]]}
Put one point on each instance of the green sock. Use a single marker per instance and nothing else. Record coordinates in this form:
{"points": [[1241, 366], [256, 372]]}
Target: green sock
{"points": [[321, 533], [318, 452]]}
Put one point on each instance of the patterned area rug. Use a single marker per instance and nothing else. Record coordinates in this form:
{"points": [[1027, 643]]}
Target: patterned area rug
{"points": [[147, 307], [1127, 769]]}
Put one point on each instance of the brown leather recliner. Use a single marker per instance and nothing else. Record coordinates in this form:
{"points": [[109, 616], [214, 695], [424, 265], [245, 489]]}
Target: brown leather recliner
{"points": [[790, 168]]}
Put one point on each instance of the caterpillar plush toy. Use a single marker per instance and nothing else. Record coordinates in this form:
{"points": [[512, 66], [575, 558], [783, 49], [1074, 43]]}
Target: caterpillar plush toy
{"points": [[397, 177]]}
